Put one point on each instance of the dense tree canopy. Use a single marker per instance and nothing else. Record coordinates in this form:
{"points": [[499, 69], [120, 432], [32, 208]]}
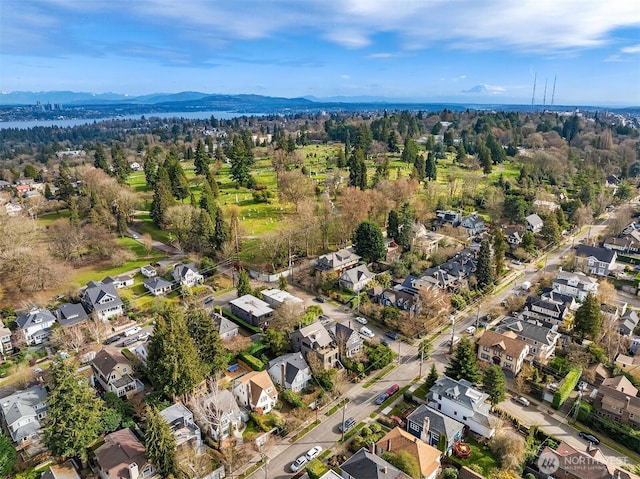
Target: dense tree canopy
{"points": [[369, 242]]}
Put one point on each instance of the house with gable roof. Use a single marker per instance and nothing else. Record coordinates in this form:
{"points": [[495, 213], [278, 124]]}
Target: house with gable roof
{"points": [[157, 286], [338, 261], [187, 274], [113, 372], [427, 457], [122, 456], [542, 341], [228, 416], [256, 391], [355, 279], [119, 282], [534, 223], [628, 322], [435, 428], [546, 310], [366, 465], [595, 260], [183, 427], [508, 353], [461, 401], [70, 314], [35, 325], [290, 371], [576, 284], [276, 297], [617, 399], [315, 339], [103, 300], [148, 271], [473, 224], [347, 339], [22, 413], [227, 329]]}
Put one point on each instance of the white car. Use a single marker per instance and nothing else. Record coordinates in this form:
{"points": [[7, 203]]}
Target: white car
{"points": [[298, 463], [313, 452], [361, 320], [143, 336], [471, 329], [132, 331], [366, 332]]}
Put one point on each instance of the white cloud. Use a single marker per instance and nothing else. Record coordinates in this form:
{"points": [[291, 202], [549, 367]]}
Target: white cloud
{"points": [[631, 49], [345, 77], [485, 89]]}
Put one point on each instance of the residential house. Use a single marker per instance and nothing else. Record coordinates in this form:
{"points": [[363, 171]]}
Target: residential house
{"points": [[428, 243], [13, 209], [575, 284], [542, 340], [628, 365], [628, 322], [66, 470], [122, 456], [448, 217], [534, 223], [461, 401], [226, 328], [290, 371], [612, 181], [398, 298], [183, 427], [513, 235], [142, 353], [252, 310], [256, 391], [567, 462], [6, 347], [157, 286], [393, 251], [348, 340], [595, 260], [35, 325], [103, 300], [113, 372], [315, 339], [187, 275], [22, 413], [119, 282], [427, 457], [434, 428], [568, 301], [546, 205], [70, 314], [276, 297], [366, 465], [508, 353], [634, 346], [473, 224], [546, 310], [339, 261], [355, 279], [617, 399], [623, 244], [4, 184], [227, 416], [21, 190], [451, 275], [148, 271]]}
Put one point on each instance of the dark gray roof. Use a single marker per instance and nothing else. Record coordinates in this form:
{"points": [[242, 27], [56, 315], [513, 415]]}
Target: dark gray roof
{"points": [[156, 283], [223, 324], [294, 363], [461, 391], [365, 465], [22, 403], [96, 291], [601, 254], [341, 332], [70, 314], [36, 315], [527, 329], [181, 270], [546, 303], [437, 421]]}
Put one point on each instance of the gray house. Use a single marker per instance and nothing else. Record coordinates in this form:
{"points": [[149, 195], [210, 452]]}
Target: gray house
{"points": [[356, 278], [338, 261], [103, 300], [594, 260], [366, 465], [183, 427], [157, 286], [348, 340], [70, 314], [290, 371], [534, 223], [252, 310], [434, 428], [36, 325], [473, 224], [628, 322], [22, 412], [226, 328]]}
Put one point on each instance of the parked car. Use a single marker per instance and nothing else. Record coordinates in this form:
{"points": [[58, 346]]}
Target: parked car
{"points": [[143, 336], [129, 341], [208, 299], [361, 320], [366, 332], [134, 236], [381, 398], [589, 437], [313, 452], [398, 420], [319, 299], [298, 463], [113, 339], [384, 342], [391, 334], [347, 425], [455, 340], [393, 389], [132, 331], [522, 400], [471, 329], [516, 262]]}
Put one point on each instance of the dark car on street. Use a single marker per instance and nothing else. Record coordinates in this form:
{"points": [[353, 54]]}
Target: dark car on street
{"points": [[347, 425], [589, 437]]}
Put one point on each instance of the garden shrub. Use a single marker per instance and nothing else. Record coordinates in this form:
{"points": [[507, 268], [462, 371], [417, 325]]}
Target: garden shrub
{"points": [[563, 392]]}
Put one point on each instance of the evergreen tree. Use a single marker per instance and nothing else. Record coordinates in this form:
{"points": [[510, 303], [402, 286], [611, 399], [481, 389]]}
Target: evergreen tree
{"points": [[207, 201], [241, 158], [205, 335], [461, 153], [550, 230], [587, 322], [484, 270], [74, 215], [393, 143], [358, 169], [74, 414], [499, 249], [221, 237], [151, 166], [162, 198], [202, 160], [7, 456], [213, 184], [528, 242], [244, 287], [393, 225], [463, 364], [420, 165], [484, 156], [369, 242], [173, 364], [63, 182], [405, 235], [179, 184], [498, 155], [100, 158], [160, 443], [48, 194], [432, 377], [205, 231], [120, 166], [431, 171], [410, 151], [493, 383]]}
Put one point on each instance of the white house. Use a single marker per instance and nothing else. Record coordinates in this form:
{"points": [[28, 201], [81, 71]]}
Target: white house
{"points": [[534, 223], [226, 415], [577, 285], [290, 371], [148, 271], [36, 325], [103, 300], [596, 261], [461, 401], [22, 412], [356, 278], [473, 224], [256, 391], [276, 297], [122, 281], [187, 274], [157, 286]]}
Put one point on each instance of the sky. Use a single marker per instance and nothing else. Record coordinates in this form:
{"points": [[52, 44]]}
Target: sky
{"points": [[468, 51]]}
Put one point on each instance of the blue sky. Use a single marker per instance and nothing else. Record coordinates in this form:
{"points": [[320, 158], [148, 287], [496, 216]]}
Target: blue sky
{"points": [[421, 50]]}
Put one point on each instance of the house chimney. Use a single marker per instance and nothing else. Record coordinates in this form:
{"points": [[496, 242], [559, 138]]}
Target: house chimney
{"points": [[133, 470], [388, 445], [384, 469]]}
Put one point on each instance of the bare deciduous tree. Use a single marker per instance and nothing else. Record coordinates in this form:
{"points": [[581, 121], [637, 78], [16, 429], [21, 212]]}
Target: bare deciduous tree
{"points": [[509, 447]]}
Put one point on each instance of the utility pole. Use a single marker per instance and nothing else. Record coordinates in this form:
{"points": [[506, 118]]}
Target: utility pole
{"points": [[344, 408], [452, 318], [421, 360], [478, 315]]}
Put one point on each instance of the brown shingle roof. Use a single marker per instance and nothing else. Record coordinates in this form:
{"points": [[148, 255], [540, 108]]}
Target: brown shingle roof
{"points": [[511, 346], [397, 440], [107, 359], [259, 381], [120, 449]]}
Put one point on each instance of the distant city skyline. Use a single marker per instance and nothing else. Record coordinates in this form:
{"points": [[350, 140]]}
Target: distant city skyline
{"points": [[421, 51]]}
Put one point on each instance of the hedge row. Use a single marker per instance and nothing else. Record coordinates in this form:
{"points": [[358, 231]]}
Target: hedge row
{"points": [[568, 384], [240, 322], [251, 361], [621, 434]]}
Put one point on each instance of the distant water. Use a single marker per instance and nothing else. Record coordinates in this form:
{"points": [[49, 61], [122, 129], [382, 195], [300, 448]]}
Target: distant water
{"points": [[191, 115]]}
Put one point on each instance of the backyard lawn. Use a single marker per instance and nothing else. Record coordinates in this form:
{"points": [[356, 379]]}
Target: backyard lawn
{"points": [[480, 455]]}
